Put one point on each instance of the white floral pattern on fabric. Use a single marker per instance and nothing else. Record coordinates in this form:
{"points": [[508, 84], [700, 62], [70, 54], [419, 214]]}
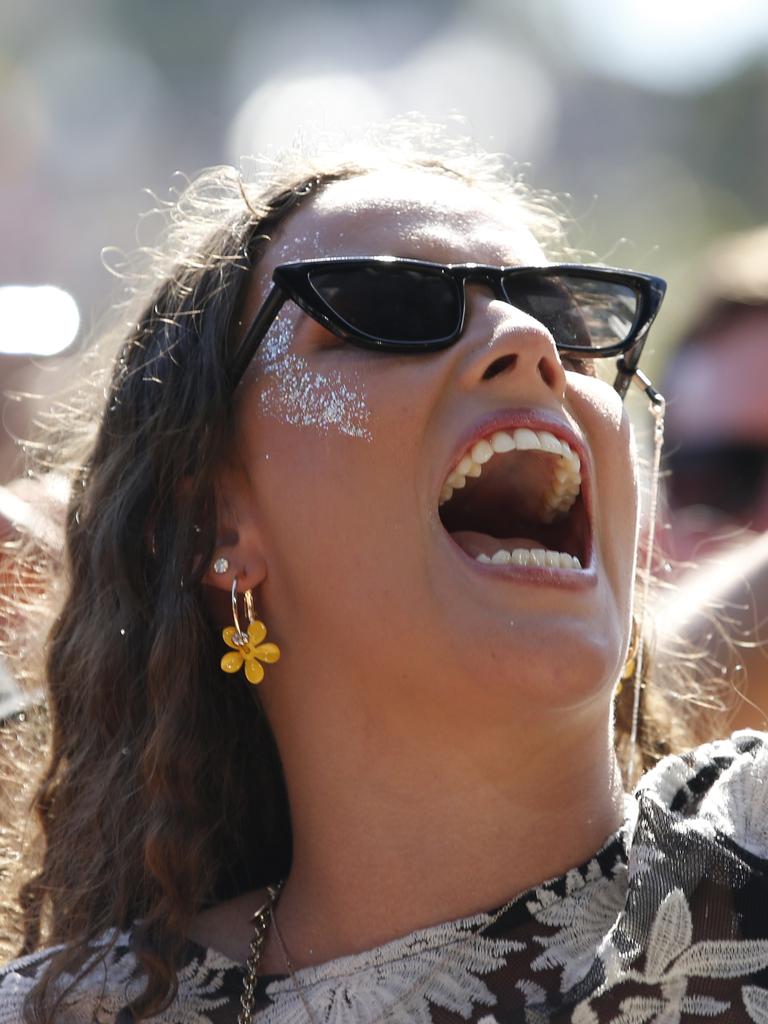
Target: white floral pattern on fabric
{"points": [[96, 1000], [737, 804], [666, 924], [756, 1002], [200, 984], [15, 983], [672, 958], [582, 918], [440, 966], [114, 983]]}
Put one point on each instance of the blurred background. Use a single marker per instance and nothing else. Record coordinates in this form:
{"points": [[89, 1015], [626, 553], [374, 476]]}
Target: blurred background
{"points": [[651, 117]]}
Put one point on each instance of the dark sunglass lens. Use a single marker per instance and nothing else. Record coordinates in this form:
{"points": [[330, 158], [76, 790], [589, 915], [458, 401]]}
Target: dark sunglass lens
{"points": [[391, 303], [577, 311]]}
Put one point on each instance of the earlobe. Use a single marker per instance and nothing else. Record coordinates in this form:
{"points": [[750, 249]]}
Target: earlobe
{"points": [[240, 560], [239, 550]]}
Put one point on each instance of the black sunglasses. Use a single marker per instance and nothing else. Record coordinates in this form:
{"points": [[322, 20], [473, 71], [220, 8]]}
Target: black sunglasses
{"points": [[413, 306]]}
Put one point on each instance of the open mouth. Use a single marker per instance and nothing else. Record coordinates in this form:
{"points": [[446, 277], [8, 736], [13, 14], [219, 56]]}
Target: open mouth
{"points": [[514, 498]]}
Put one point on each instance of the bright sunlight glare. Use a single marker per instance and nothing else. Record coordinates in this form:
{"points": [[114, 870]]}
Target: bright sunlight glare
{"points": [[679, 45], [39, 320]]}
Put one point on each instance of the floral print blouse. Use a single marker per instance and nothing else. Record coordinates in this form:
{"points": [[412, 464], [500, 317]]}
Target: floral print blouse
{"points": [[666, 924]]}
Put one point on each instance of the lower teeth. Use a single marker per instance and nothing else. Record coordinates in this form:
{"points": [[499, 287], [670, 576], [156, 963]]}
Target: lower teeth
{"points": [[532, 556]]}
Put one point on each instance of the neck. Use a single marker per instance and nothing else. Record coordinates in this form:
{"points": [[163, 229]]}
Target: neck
{"points": [[395, 832]]}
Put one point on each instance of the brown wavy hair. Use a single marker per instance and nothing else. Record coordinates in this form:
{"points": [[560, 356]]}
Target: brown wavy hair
{"points": [[151, 761]]}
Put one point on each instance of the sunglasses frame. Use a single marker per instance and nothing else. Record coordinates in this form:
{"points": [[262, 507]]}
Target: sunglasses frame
{"points": [[292, 281]]}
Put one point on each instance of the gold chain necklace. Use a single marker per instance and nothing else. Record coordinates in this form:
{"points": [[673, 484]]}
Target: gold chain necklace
{"points": [[284, 952], [262, 919], [261, 922]]}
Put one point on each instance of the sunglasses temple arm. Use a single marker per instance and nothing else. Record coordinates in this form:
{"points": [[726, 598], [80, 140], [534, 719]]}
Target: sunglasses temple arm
{"points": [[632, 375], [255, 334], [646, 384]]}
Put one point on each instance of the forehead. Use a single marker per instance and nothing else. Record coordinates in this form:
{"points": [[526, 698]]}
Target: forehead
{"points": [[408, 213]]}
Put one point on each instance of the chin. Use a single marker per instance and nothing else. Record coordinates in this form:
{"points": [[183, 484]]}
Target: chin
{"points": [[532, 672]]}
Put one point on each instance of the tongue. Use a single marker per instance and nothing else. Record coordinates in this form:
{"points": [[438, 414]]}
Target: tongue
{"points": [[483, 544]]}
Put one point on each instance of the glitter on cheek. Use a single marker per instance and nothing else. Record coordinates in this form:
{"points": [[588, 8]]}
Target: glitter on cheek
{"points": [[277, 341], [294, 393]]}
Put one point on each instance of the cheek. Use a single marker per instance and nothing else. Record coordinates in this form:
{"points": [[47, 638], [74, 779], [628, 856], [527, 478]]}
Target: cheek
{"points": [[340, 520], [596, 401], [602, 416], [633, 476], [291, 391], [624, 504]]}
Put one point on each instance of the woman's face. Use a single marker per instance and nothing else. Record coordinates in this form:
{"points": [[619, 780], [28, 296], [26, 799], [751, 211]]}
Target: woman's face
{"points": [[371, 587]]}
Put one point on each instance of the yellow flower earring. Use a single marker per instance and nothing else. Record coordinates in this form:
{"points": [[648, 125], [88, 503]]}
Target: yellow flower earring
{"points": [[247, 648]]}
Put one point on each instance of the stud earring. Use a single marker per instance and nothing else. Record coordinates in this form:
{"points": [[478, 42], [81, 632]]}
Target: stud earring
{"points": [[221, 565], [248, 649]]}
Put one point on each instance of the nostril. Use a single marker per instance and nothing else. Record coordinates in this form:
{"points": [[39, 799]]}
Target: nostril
{"points": [[548, 372], [499, 366]]}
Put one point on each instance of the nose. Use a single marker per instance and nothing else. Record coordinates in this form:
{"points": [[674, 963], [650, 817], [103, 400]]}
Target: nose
{"points": [[502, 343]]}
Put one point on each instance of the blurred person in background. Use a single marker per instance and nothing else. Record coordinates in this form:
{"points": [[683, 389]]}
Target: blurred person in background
{"points": [[11, 697], [716, 479], [716, 485], [31, 530], [31, 508]]}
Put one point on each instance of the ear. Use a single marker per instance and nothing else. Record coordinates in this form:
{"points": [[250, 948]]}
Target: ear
{"points": [[239, 550]]}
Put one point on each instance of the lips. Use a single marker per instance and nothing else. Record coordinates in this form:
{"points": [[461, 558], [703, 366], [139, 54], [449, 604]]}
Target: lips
{"points": [[515, 496]]}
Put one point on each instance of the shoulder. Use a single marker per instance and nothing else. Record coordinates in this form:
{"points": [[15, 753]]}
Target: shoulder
{"points": [[112, 979], [16, 979], [103, 989], [722, 786]]}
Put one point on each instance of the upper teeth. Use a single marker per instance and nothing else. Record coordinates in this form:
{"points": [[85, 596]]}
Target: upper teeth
{"points": [[566, 478]]}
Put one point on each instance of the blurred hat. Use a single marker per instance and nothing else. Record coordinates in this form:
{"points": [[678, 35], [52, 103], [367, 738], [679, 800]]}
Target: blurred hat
{"points": [[736, 268]]}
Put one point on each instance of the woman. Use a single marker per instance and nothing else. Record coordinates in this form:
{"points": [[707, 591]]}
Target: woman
{"points": [[409, 500]]}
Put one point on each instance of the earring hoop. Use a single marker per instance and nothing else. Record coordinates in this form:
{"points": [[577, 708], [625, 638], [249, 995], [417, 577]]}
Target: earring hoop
{"points": [[238, 636], [630, 662], [250, 610], [248, 650]]}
